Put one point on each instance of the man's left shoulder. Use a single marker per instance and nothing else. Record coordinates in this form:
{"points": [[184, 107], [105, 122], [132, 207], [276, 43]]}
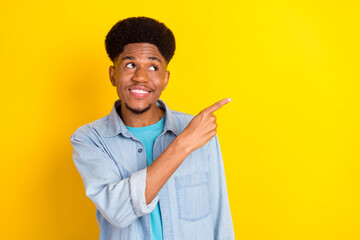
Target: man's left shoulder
{"points": [[180, 119], [180, 116]]}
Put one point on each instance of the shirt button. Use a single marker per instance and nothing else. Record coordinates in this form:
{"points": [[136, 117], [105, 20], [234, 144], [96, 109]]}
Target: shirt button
{"points": [[139, 150]]}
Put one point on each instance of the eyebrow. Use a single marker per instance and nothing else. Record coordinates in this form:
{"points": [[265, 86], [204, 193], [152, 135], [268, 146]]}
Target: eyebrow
{"points": [[128, 57], [133, 58], [155, 58]]}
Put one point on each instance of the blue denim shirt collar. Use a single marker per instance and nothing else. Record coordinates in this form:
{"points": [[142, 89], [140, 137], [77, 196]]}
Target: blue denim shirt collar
{"points": [[116, 126]]}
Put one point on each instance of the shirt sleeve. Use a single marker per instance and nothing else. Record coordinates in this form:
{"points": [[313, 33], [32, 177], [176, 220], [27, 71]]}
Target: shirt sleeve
{"points": [[219, 201], [120, 200]]}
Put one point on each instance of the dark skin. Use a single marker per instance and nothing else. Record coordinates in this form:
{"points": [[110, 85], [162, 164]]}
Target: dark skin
{"points": [[140, 75], [141, 67]]}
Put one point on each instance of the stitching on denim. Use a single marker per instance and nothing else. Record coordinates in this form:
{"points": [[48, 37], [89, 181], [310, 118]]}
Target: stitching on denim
{"points": [[179, 202]]}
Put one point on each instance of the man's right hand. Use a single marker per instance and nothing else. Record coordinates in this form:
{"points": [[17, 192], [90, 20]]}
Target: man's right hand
{"points": [[201, 128]]}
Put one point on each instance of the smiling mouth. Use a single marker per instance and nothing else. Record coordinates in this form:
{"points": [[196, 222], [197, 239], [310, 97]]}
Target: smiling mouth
{"points": [[139, 93]]}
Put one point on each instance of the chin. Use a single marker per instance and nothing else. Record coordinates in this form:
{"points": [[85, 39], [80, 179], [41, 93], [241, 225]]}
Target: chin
{"points": [[138, 110]]}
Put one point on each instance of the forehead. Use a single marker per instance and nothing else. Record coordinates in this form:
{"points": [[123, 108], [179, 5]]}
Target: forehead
{"points": [[141, 50]]}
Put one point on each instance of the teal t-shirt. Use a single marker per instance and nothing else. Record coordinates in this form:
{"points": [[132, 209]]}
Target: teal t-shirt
{"points": [[147, 135]]}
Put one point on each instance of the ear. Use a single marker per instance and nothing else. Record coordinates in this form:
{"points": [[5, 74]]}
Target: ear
{"points": [[166, 79], [112, 75]]}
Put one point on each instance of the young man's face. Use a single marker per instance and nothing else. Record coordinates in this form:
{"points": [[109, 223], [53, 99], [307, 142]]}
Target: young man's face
{"points": [[139, 75]]}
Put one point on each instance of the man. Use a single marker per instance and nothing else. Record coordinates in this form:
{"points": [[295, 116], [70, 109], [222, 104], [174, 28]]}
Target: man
{"points": [[152, 173]]}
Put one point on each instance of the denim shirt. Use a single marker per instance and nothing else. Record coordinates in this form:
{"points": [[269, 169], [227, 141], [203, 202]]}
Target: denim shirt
{"points": [[112, 163]]}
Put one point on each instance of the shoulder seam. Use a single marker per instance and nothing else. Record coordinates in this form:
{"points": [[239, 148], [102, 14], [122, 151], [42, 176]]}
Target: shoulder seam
{"points": [[181, 113]]}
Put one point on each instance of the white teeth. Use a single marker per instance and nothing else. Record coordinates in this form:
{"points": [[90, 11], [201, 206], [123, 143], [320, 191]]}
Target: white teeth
{"points": [[138, 91]]}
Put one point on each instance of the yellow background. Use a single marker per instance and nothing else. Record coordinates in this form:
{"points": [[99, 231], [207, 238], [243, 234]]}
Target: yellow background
{"points": [[290, 137]]}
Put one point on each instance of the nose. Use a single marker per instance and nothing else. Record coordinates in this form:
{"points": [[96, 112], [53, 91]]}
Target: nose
{"points": [[140, 75]]}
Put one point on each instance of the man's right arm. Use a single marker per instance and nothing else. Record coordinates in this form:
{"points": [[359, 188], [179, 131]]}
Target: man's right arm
{"points": [[120, 200]]}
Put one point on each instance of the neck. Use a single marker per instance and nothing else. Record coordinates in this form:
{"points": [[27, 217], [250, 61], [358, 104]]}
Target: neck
{"points": [[151, 116]]}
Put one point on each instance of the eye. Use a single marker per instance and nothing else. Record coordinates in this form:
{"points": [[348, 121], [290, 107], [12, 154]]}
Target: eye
{"points": [[153, 68], [130, 65]]}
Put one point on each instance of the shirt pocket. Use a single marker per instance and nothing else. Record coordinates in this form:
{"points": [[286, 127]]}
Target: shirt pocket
{"points": [[192, 194]]}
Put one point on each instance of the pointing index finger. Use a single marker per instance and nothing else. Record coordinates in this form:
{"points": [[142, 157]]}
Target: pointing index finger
{"points": [[218, 105]]}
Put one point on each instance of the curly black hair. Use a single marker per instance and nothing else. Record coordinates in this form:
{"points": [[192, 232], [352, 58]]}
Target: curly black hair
{"points": [[140, 30]]}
